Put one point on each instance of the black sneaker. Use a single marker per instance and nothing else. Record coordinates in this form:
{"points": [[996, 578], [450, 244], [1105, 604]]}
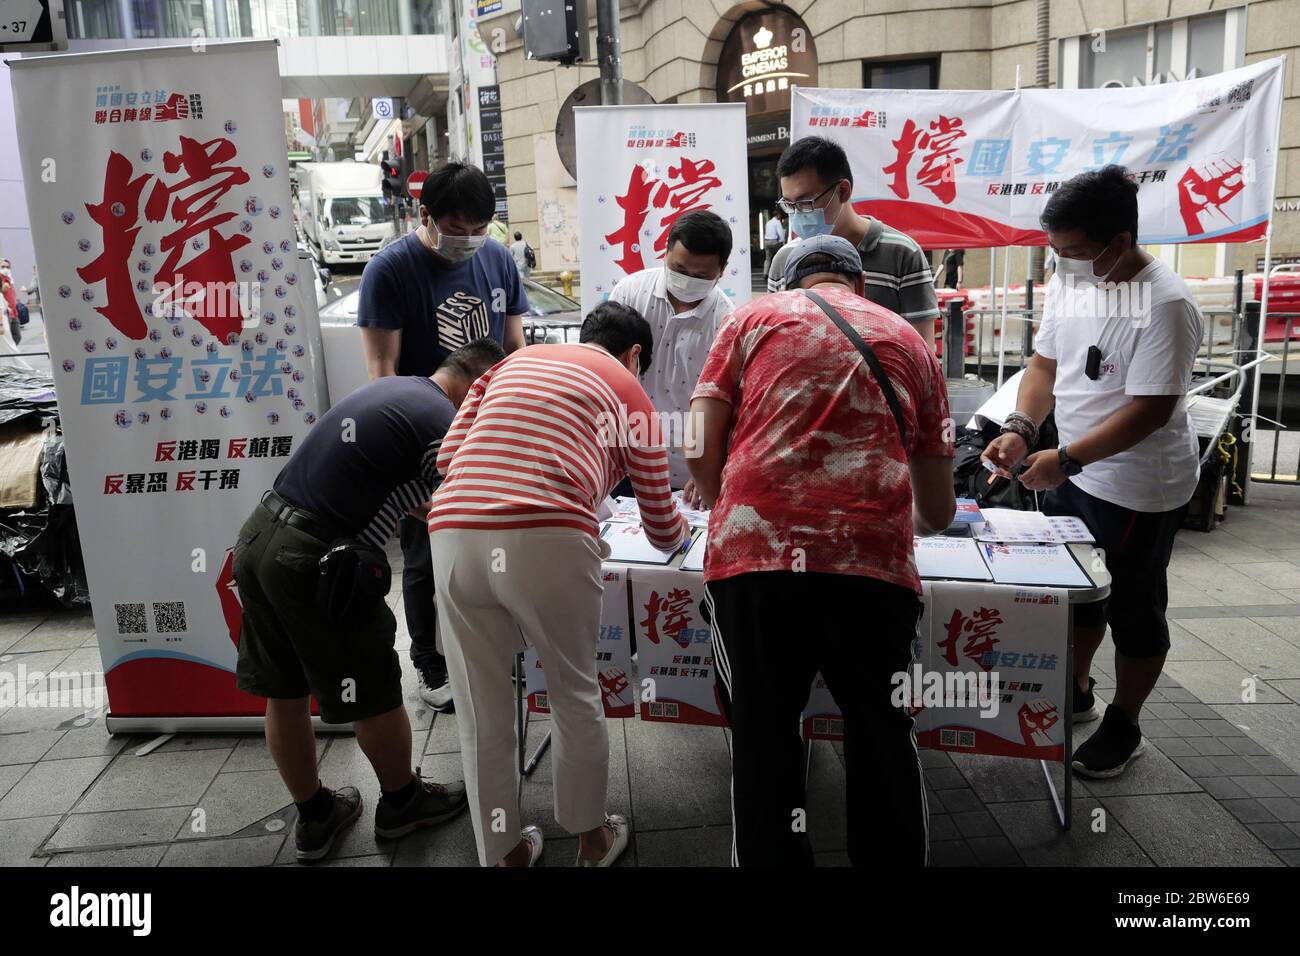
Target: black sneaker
{"points": [[435, 689], [1114, 745], [1085, 704], [433, 803], [314, 840]]}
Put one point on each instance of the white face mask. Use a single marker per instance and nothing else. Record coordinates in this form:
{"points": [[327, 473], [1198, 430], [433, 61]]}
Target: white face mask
{"points": [[1079, 272], [458, 248], [687, 288]]}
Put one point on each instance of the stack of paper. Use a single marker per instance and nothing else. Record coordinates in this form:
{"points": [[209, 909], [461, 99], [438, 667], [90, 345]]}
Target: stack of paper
{"points": [[1043, 565], [629, 545], [694, 560], [625, 509], [1009, 526], [941, 557], [695, 517]]}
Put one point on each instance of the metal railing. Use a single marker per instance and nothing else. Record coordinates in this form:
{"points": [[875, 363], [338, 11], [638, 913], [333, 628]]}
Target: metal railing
{"points": [[1281, 433]]}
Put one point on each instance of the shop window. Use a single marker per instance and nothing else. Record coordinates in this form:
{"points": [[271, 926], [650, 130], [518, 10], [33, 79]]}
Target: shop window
{"points": [[1164, 52], [922, 74]]}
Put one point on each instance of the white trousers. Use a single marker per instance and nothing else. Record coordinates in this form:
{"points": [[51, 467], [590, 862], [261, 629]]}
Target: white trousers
{"points": [[497, 590]]}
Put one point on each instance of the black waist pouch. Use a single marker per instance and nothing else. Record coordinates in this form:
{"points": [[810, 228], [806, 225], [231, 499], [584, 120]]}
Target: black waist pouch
{"points": [[353, 575]]}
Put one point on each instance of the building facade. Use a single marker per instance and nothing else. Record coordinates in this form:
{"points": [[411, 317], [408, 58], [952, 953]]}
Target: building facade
{"points": [[694, 51]]}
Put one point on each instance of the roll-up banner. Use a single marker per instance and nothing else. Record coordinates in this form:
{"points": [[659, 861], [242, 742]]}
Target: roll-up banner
{"points": [[640, 168], [178, 317]]}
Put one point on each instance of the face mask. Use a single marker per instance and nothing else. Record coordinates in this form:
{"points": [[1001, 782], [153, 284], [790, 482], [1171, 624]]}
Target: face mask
{"points": [[813, 222], [687, 288], [458, 248], [1079, 272]]}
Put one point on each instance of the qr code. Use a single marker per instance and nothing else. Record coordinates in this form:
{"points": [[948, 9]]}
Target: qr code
{"points": [[664, 710], [542, 701], [169, 617], [966, 738], [1241, 92], [948, 738], [131, 619]]}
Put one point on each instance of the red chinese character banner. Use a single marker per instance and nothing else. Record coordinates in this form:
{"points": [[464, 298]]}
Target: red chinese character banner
{"points": [[642, 167], [177, 317], [991, 674], [967, 169], [613, 655], [674, 644]]}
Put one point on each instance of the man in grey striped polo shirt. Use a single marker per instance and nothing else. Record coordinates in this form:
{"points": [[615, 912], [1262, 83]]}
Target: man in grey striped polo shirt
{"points": [[816, 186]]}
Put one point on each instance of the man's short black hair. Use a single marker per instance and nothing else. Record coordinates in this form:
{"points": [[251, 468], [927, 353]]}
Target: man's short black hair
{"points": [[519, 235], [1103, 203], [817, 153], [472, 360], [703, 233], [616, 327], [458, 188]]}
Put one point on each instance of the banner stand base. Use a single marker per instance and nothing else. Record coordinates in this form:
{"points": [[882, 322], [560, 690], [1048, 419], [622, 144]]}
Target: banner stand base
{"points": [[205, 725]]}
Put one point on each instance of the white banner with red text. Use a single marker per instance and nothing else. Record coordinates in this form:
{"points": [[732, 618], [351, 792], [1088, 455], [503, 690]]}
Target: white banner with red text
{"points": [[642, 167], [963, 169], [176, 317]]}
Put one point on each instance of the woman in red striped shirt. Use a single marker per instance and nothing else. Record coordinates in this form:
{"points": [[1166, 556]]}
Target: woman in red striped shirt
{"points": [[539, 442]]}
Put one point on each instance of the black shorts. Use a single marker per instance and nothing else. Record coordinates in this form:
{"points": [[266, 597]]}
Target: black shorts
{"points": [[289, 647], [1136, 546]]}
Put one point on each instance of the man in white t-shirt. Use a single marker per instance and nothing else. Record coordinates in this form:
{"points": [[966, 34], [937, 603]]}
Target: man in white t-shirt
{"points": [[685, 306], [773, 238], [1114, 355]]}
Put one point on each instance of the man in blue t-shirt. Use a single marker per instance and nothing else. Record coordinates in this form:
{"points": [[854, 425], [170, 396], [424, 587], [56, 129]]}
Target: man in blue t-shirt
{"points": [[423, 297], [369, 460]]}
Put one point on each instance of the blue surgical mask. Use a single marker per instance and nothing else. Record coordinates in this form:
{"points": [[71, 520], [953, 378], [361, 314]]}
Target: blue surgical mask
{"points": [[813, 222]]}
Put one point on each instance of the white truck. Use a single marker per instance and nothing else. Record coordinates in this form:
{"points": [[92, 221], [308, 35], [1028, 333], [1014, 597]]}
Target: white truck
{"points": [[342, 211]]}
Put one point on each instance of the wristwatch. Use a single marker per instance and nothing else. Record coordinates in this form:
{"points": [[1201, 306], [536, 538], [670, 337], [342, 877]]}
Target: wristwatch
{"points": [[1069, 466]]}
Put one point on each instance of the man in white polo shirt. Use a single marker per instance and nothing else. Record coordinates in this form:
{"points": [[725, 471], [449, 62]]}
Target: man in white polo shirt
{"points": [[1115, 355], [684, 306]]}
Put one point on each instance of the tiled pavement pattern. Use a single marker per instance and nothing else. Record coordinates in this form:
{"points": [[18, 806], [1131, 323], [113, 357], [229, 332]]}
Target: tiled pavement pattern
{"points": [[1217, 785]]}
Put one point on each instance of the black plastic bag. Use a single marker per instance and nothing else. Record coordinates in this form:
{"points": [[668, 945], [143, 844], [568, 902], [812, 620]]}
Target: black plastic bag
{"points": [[971, 478]]}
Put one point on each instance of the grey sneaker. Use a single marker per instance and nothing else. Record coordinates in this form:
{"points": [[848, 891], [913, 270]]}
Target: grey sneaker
{"points": [[618, 825], [435, 690], [315, 839], [433, 803]]}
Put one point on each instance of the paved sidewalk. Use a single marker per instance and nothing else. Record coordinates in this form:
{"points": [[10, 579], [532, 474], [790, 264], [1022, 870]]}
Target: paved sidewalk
{"points": [[1217, 787]]}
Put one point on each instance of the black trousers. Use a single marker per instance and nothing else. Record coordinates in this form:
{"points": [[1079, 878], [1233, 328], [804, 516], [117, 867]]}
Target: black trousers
{"points": [[1137, 546], [772, 632], [417, 595]]}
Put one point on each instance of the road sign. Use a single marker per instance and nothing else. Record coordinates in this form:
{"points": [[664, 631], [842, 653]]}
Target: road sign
{"points": [[32, 25], [415, 183]]}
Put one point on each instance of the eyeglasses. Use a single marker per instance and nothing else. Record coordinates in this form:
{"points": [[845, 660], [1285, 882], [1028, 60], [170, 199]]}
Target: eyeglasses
{"points": [[803, 205]]}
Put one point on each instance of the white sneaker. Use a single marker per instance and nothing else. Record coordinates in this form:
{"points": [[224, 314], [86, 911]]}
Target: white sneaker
{"points": [[618, 825], [437, 696], [534, 837]]}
